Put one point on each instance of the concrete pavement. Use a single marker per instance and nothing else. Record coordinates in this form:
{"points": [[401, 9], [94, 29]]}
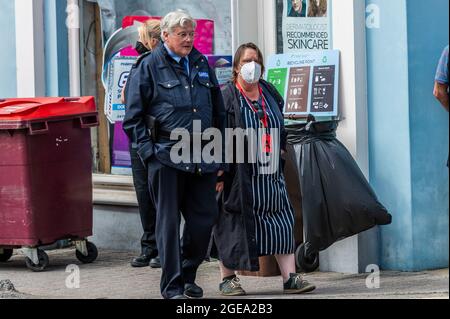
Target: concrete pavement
{"points": [[112, 277]]}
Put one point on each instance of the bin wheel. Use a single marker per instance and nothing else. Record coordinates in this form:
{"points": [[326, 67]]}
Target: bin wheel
{"points": [[306, 264], [92, 254], [6, 255], [43, 262]]}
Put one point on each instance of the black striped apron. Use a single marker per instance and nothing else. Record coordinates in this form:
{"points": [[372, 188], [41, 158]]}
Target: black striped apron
{"points": [[272, 211]]}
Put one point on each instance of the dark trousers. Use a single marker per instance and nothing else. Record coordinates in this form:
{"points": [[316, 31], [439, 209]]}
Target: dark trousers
{"points": [[147, 210], [174, 191]]}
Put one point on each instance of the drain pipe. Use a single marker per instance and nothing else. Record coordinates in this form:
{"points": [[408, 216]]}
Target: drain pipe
{"points": [[73, 26]]}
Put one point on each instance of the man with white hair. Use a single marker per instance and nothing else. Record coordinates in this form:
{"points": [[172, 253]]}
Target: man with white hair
{"points": [[169, 90]]}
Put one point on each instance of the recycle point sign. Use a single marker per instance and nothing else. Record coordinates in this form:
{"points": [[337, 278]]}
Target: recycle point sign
{"points": [[308, 81]]}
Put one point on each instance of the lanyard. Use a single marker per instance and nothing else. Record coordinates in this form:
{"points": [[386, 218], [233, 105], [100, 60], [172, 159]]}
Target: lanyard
{"points": [[265, 119]]}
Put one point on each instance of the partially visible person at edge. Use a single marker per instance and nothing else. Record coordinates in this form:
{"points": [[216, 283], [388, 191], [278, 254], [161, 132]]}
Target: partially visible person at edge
{"points": [[441, 89], [149, 39], [256, 217], [169, 90], [298, 9]]}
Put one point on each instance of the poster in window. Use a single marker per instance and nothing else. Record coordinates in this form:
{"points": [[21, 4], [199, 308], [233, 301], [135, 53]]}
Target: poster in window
{"points": [[306, 25]]}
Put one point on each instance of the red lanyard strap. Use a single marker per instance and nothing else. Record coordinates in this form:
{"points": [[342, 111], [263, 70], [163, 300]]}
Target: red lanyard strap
{"points": [[265, 119]]}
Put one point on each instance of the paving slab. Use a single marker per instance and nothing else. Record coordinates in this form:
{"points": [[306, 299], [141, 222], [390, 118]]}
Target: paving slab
{"points": [[112, 277]]}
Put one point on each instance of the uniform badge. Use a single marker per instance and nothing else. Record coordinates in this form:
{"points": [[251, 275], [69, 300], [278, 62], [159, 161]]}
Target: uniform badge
{"points": [[203, 75]]}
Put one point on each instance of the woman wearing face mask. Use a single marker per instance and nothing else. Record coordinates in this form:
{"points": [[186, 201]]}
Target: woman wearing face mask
{"points": [[149, 38], [256, 217]]}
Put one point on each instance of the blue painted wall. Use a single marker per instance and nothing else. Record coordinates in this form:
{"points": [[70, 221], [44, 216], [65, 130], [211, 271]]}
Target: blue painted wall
{"points": [[428, 23], [389, 130], [8, 87], [408, 132], [56, 48]]}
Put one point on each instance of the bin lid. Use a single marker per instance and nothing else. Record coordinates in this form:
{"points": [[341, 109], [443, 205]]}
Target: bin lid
{"points": [[18, 113]]}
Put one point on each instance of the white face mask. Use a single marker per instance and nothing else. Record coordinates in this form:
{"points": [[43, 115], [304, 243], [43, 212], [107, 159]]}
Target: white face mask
{"points": [[251, 72]]}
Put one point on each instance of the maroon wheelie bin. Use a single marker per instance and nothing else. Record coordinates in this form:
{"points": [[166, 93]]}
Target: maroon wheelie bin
{"points": [[46, 177]]}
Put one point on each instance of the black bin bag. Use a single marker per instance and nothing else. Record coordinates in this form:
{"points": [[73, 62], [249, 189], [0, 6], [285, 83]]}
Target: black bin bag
{"points": [[337, 200]]}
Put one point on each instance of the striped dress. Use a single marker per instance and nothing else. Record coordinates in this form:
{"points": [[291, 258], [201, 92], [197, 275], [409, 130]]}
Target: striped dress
{"points": [[272, 211]]}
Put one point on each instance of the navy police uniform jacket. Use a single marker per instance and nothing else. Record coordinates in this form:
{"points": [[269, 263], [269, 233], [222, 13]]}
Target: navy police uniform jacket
{"points": [[161, 88]]}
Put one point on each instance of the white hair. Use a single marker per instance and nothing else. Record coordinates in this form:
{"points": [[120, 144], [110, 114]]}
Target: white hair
{"points": [[174, 19]]}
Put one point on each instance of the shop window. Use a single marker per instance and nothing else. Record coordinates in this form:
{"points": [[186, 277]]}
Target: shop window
{"points": [[111, 147]]}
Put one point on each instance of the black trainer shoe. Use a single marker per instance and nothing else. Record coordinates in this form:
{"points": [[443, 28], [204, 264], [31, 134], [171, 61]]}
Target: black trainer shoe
{"points": [[231, 287], [178, 297], [155, 262], [141, 261], [193, 291], [297, 285]]}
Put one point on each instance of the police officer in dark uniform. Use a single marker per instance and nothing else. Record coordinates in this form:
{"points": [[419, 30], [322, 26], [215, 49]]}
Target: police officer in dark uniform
{"points": [[172, 89]]}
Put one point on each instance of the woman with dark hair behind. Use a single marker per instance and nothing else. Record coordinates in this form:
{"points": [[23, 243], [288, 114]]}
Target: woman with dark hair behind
{"points": [[256, 217], [317, 8]]}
